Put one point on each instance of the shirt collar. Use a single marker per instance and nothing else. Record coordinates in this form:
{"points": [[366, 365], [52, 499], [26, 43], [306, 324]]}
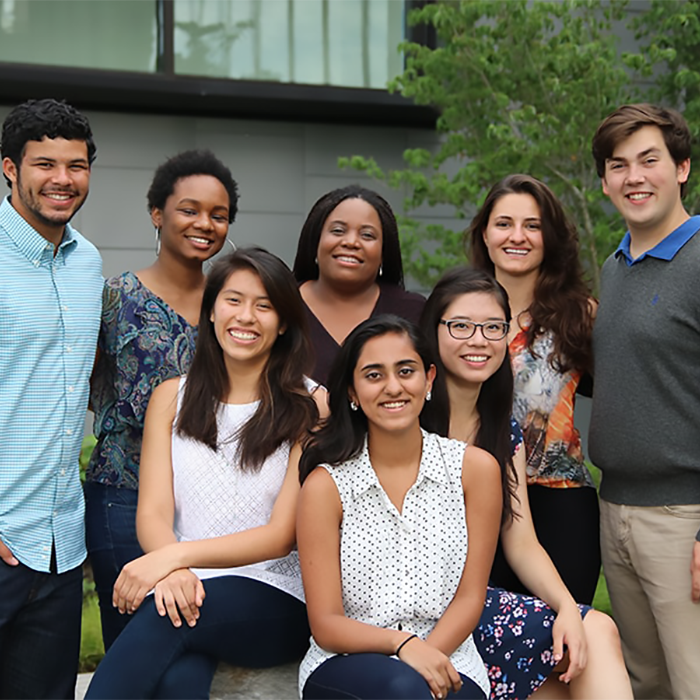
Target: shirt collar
{"points": [[432, 467], [666, 248], [27, 239]]}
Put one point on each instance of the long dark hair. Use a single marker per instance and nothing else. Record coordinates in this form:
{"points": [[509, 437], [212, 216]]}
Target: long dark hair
{"points": [[286, 411], [305, 265], [561, 301], [343, 434], [495, 400]]}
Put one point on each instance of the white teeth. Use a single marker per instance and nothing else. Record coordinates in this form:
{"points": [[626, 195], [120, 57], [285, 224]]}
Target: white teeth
{"points": [[475, 358], [639, 195], [241, 335], [60, 197], [347, 258], [516, 251], [393, 404], [199, 240]]}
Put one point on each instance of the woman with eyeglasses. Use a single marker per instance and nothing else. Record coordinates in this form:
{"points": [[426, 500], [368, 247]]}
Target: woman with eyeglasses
{"points": [[524, 641], [522, 236]]}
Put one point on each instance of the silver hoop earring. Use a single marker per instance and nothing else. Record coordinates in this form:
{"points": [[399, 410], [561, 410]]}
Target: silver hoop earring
{"points": [[381, 270], [429, 395], [353, 406], [232, 244], [157, 232]]}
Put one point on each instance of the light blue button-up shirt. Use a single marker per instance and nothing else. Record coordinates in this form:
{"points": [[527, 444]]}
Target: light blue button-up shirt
{"points": [[50, 310]]}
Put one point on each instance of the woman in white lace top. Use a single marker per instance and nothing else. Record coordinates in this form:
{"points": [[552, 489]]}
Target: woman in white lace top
{"points": [[218, 491]]}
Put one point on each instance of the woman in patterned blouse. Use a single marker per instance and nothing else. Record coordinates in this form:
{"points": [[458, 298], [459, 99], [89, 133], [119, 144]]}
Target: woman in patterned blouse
{"points": [[523, 237], [148, 333]]}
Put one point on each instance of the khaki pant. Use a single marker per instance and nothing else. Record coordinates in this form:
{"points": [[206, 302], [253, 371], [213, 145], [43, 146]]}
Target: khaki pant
{"points": [[646, 555]]}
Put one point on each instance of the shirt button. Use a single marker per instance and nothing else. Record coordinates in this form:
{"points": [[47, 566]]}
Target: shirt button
{"points": [[37, 263], [69, 348], [48, 246], [71, 389], [69, 431], [63, 472], [64, 308]]}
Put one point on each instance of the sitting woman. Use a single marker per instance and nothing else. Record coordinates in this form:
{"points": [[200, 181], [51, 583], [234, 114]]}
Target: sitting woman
{"points": [[348, 266], [218, 489], [521, 639], [393, 591]]}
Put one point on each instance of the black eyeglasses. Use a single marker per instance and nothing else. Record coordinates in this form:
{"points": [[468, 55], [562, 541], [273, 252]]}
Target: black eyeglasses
{"points": [[463, 330]]}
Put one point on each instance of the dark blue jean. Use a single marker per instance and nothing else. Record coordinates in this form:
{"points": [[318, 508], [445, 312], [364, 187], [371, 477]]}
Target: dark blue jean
{"points": [[242, 621], [375, 677], [110, 514], [110, 521], [39, 632]]}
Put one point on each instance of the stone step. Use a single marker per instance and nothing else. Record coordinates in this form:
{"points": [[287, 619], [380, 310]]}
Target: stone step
{"points": [[236, 683]]}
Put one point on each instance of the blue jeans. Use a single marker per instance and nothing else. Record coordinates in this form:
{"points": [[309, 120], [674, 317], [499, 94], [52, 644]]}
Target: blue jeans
{"points": [[110, 514], [375, 676], [110, 521], [39, 632], [242, 621]]}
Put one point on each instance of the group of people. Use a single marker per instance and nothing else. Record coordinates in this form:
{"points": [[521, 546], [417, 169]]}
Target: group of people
{"points": [[318, 463]]}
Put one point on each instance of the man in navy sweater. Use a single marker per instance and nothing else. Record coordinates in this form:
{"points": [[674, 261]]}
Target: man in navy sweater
{"points": [[646, 403]]}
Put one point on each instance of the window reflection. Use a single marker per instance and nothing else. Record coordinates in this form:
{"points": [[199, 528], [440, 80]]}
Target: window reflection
{"points": [[335, 42], [107, 35]]}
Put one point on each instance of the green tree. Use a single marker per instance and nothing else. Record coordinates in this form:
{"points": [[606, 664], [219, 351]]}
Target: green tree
{"points": [[669, 38], [520, 86]]}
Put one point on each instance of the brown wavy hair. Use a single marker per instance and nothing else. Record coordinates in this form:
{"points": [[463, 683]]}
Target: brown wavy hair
{"points": [[286, 411], [562, 299]]}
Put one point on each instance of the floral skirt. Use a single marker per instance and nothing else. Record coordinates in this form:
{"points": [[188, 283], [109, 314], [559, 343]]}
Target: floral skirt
{"points": [[514, 638]]}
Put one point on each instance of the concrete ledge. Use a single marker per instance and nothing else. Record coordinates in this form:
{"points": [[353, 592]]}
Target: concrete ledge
{"points": [[236, 683]]}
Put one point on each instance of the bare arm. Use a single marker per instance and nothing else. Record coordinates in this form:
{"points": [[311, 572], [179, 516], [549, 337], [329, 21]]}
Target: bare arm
{"points": [[318, 537], [695, 573], [531, 563], [481, 482]]}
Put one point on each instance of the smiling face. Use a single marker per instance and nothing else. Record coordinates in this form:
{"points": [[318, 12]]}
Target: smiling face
{"points": [[513, 235], [194, 221], [643, 182], [350, 246], [245, 322], [390, 383], [50, 184], [474, 360]]}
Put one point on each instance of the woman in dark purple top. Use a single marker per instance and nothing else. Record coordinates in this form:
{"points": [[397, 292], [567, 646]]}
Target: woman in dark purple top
{"points": [[348, 265]]}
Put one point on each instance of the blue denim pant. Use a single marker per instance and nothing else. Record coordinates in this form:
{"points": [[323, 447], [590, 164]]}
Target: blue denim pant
{"points": [[110, 520], [242, 621], [39, 632], [375, 676], [110, 514]]}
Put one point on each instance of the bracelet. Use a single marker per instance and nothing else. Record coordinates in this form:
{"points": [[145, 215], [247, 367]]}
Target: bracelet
{"points": [[404, 643]]}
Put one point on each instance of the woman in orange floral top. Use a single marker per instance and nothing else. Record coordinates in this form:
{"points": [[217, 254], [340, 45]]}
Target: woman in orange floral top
{"points": [[522, 236]]}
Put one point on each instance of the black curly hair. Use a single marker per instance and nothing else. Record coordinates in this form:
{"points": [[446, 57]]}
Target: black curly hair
{"points": [[35, 119], [186, 164]]}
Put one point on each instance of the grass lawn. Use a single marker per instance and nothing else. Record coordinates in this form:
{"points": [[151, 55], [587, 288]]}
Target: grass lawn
{"points": [[91, 647]]}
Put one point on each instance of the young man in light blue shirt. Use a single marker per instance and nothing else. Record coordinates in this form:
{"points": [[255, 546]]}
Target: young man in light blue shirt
{"points": [[50, 304]]}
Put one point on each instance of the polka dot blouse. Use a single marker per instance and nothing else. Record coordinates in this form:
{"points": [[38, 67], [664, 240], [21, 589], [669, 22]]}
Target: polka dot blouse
{"points": [[402, 570]]}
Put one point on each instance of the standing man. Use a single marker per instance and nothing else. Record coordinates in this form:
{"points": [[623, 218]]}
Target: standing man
{"points": [[50, 301], [645, 430]]}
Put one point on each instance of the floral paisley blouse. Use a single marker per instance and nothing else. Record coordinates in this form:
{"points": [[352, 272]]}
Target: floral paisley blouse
{"points": [[142, 343], [544, 409]]}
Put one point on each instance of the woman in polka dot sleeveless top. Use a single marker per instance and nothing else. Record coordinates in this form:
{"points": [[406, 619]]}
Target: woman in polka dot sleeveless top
{"points": [[396, 532]]}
